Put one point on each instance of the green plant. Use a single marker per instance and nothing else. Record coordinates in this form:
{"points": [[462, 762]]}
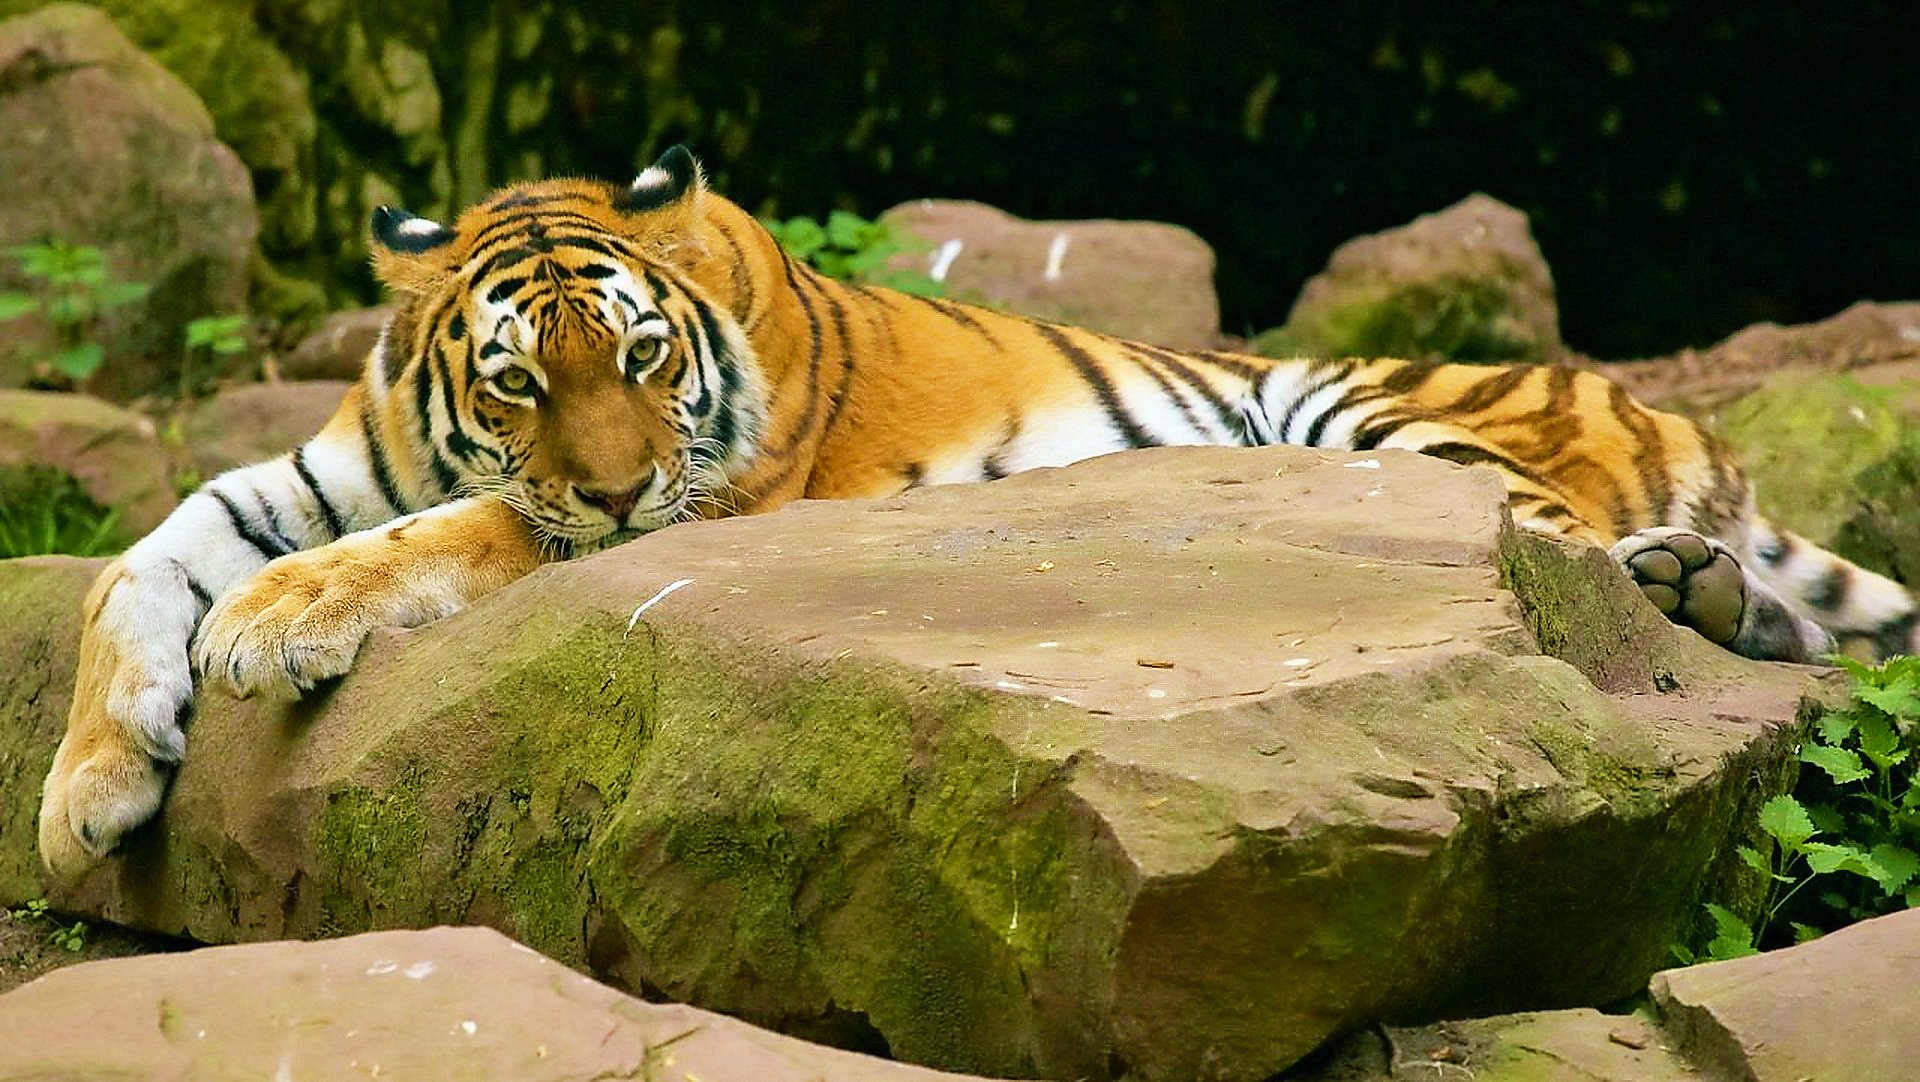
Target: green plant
{"points": [[70, 937], [1852, 824], [43, 510], [217, 336], [71, 291], [852, 248]]}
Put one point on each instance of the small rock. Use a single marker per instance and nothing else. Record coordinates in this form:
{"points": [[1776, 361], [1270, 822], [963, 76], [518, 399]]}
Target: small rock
{"points": [[1143, 280], [253, 422], [114, 453], [1834, 1008], [1466, 284], [338, 349]]}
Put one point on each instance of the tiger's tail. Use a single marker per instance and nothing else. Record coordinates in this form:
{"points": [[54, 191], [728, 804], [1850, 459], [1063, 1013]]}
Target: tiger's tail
{"points": [[1850, 602]]}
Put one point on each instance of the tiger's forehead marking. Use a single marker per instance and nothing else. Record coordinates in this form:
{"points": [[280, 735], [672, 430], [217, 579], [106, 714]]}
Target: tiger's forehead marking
{"points": [[503, 308]]}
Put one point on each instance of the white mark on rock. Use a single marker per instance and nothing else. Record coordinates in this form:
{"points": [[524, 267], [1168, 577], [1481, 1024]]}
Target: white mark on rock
{"points": [[1859, 415], [1156, 693], [1375, 490], [419, 970], [1048, 645], [467, 1027], [284, 1073], [384, 965], [1363, 464], [942, 259], [1009, 685], [655, 600], [1297, 662], [1056, 254]]}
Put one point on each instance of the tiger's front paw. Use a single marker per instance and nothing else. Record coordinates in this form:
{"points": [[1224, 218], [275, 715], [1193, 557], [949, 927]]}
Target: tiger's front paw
{"points": [[298, 621]]}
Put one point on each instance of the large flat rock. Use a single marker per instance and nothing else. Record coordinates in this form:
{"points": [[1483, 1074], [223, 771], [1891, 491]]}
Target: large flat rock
{"points": [[450, 1003], [1174, 763]]}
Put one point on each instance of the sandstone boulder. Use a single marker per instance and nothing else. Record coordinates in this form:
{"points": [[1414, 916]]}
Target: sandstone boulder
{"points": [[101, 146], [1169, 765], [1467, 283], [239, 425], [1142, 280], [114, 453], [338, 348], [448, 1003]]}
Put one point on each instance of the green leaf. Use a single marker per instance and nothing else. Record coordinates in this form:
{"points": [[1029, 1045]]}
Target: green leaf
{"points": [[1835, 726], [1754, 860], [1841, 764], [802, 237], [1825, 857], [1879, 743], [79, 362], [15, 305], [1827, 819], [1805, 933], [1901, 700], [1786, 821], [848, 230], [1898, 865], [1913, 896]]}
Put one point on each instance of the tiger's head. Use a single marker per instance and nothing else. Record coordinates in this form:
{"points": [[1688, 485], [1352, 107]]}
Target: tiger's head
{"points": [[555, 348]]}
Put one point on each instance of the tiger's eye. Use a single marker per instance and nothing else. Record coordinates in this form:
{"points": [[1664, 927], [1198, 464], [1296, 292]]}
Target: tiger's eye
{"points": [[514, 380], [643, 354]]}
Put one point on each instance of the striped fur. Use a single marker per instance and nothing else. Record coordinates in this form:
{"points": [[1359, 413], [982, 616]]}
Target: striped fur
{"points": [[571, 363]]}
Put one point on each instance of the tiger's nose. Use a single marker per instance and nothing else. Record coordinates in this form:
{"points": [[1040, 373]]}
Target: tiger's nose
{"points": [[617, 504]]}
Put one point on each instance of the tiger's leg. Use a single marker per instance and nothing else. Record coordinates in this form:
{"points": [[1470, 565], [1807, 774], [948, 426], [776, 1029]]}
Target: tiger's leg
{"points": [[302, 618], [134, 684]]}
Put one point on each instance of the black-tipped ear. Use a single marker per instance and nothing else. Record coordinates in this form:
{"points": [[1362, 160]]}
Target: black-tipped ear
{"points": [[401, 231], [661, 184]]}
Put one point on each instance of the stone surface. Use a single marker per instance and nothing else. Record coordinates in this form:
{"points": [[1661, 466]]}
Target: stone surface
{"points": [[1467, 283], [1580, 1045], [1834, 1008], [1142, 280], [1174, 763], [252, 422], [1836, 459], [338, 348], [1867, 336], [447, 1003], [101, 146], [114, 453]]}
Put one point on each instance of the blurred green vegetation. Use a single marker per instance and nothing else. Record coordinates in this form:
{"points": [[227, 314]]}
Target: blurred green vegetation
{"points": [[70, 289], [43, 510], [851, 248], [1689, 168], [1465, 320]]}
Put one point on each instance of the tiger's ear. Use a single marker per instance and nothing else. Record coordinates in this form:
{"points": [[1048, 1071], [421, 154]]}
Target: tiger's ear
{"points": [[673, 183], [409, 252]]}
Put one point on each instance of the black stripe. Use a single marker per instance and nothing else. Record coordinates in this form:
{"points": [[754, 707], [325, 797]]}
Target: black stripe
{"points": [[382, 472], [1410, 377], [245, 528], [959, 314], [1355, 396], [194, 586], [1373, 435], [1830, 591], [1293, 410], [1895, 636], [1490, 390], [313, 486], [1103, 388], [1467, 454], [914, 472], [274, 527]]}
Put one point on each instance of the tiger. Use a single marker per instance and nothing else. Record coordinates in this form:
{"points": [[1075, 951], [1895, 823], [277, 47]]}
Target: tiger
{"points": [[575, 362]]}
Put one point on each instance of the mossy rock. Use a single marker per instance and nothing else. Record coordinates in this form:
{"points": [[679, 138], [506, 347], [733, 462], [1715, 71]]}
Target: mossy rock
{"points": [[1166, 765], [1836, 460]]}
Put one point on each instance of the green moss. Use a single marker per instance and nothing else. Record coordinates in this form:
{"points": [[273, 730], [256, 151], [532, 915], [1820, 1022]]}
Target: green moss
{"points": [[1836, 461], [370, 843], [1468, 320]]}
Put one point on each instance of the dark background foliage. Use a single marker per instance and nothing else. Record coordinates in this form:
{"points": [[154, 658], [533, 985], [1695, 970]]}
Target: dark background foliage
{"points": [[1689, 167]]}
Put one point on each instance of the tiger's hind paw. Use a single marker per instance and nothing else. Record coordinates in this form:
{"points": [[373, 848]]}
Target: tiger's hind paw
{"points": [[1695, 581]]}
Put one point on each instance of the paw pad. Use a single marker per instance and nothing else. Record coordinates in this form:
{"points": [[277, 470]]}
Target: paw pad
{"points": [[1690, 579]]}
